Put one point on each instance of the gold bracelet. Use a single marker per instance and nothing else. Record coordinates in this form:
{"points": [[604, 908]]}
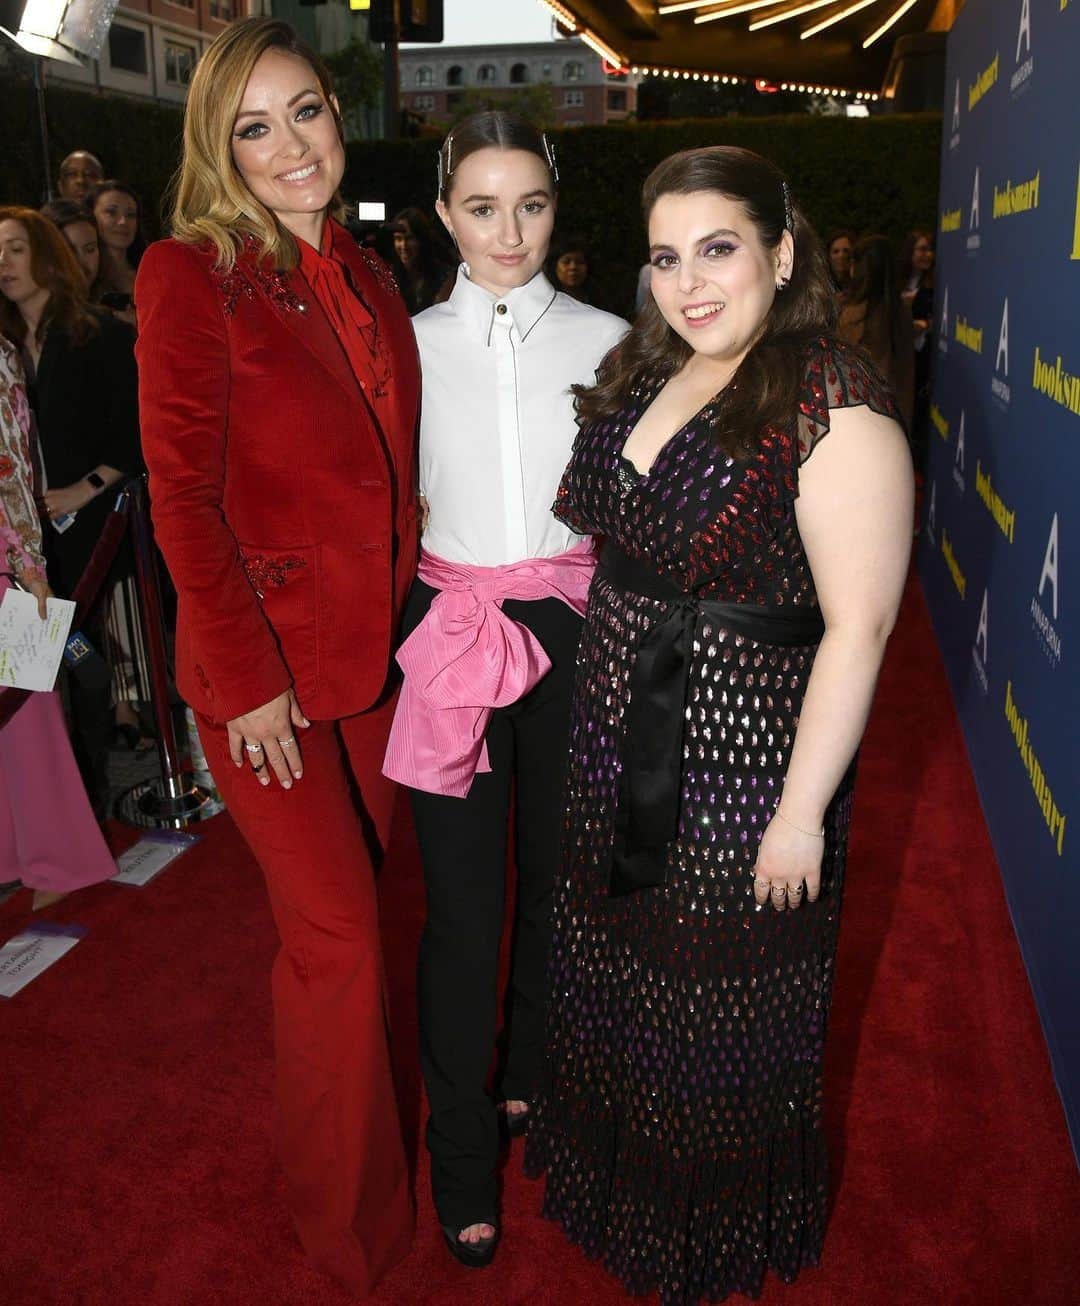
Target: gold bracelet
{"points": [[809, 833]]}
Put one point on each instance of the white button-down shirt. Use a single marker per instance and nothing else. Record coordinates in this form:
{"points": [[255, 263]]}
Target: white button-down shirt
{"points": [[497, 419]]}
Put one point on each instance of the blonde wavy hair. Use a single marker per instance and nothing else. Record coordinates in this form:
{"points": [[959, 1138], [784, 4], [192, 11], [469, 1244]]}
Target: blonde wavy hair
{"points": [[211, 204]]}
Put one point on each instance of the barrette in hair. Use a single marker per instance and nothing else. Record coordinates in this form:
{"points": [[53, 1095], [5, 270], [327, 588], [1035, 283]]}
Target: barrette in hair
{"points": [[789, 212], [549, 154], [444, 172]]}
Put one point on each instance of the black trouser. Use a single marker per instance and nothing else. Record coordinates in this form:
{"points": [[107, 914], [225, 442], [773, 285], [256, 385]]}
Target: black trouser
{"points": [[463, 844]]}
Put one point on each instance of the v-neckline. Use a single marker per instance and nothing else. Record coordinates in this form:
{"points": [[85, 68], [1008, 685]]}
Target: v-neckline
{"points": [[643, 476]]}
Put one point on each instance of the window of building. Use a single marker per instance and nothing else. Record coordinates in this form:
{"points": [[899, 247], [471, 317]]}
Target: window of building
{"points": [[546, 72], [179, 63], [616, 101], [424, 102], [572, 122], [519, 74], [453, 100], [455, 75], [573, 99], [424, 76], [222, 10], [127, 49], [574, 71], [487, 73]]}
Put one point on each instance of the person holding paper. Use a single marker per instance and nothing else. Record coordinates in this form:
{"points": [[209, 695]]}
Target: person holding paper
{"points": [[279, 394], [48, 836]]}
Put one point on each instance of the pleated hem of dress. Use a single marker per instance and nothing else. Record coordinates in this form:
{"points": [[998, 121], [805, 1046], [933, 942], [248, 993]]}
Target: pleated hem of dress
{"points": [[586, 1165]]}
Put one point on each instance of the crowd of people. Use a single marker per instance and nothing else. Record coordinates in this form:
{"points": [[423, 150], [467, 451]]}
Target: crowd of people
{"points": [[437, 520]]}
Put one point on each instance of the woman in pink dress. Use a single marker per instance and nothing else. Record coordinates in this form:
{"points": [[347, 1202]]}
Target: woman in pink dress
{"points": [[48, 836]]}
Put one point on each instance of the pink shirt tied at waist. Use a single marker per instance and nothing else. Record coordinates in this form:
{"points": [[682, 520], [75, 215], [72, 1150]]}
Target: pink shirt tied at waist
{"points": [[467, 658]]}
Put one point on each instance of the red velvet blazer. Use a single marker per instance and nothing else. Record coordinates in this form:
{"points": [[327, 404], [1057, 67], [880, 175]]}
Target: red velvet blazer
{"points": [[282, 492]]}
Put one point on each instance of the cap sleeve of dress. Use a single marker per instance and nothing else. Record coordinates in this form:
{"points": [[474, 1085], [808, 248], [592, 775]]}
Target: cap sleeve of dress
{"points": [[838, 376]]}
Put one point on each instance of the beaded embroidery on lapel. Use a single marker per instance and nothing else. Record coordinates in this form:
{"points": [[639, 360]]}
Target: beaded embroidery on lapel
{"points": [[275, 285], [383, 275]]}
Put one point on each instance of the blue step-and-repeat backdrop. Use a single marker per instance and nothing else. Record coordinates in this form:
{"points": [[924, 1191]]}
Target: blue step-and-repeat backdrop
{"points": [[1000, 538]]}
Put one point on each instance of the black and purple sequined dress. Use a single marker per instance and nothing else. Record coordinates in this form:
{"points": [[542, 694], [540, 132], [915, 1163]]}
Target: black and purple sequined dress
{"points": [[680, 1124]]}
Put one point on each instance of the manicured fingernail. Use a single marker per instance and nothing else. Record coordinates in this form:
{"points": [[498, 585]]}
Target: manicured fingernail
{"points": [[306, 722], [238, 764], [263, 781], [286, 784], [298, 774]]}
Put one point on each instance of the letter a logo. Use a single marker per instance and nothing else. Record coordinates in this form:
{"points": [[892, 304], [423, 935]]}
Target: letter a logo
{"points": [[1003, 341], [974, 220], [956, 108], [945, 312], [1025, 28], [960, 443], [982, 634], [1050, 565], [931, 512]]}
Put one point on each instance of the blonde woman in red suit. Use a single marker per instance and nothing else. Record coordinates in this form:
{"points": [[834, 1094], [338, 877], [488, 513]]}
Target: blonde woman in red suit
{"points": [[279, 391]]}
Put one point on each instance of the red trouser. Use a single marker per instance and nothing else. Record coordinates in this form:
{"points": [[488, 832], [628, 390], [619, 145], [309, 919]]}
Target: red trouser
{"points": [[338, 1133]]}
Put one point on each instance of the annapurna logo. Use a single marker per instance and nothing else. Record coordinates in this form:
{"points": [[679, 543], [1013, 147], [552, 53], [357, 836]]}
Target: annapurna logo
{"points": [[999, 385], [943, 333], [954, 138], [1045, 623], [958, 461], [1018, 83], [980, 650], [974, 239]]}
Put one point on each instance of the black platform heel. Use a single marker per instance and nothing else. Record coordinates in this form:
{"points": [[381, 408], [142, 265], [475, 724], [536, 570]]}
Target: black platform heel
{"points": [[473, 1255]]}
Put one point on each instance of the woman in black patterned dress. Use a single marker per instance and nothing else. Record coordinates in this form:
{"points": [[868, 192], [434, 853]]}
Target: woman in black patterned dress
{"points": [[733, 637]]}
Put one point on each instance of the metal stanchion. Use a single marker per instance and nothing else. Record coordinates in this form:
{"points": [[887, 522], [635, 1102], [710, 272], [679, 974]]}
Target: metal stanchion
{"points": [[174, 800]]}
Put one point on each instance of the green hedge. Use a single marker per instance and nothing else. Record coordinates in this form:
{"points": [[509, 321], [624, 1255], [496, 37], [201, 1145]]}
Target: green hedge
{"points": [[136, 140], [876, 174]]}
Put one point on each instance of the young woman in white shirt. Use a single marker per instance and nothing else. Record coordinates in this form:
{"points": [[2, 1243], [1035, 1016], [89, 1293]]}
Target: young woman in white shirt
{"points": [[492, 629]]}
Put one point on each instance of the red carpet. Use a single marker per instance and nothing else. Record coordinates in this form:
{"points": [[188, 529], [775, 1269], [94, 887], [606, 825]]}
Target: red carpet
{"points": [[135, 1079]]}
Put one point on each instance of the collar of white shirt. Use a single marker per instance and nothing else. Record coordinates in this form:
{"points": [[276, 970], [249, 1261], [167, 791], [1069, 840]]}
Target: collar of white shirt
{"points": [[521, 307]]}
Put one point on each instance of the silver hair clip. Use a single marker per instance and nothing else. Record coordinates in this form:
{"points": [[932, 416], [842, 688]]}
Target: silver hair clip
{"points": [[549, 154], [444, 172], [789, 212]]}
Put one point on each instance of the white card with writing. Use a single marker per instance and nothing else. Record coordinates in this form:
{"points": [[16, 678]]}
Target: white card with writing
{"points": [[31, 649], [24, 957]]}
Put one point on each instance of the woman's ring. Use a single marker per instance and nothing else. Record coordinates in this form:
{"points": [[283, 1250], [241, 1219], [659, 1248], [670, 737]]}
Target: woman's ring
{"points": [[778, 891], [759, 883], [285, 743], [253, 748], [796, 891]]}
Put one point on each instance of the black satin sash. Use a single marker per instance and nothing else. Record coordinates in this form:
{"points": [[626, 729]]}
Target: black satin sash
{"points": [[647, 815]]}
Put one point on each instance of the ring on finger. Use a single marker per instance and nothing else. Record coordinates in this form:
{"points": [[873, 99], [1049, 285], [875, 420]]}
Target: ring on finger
{"points": [[253, 748], [759, 883], [778, 890], [795, 892], [287, 743]]}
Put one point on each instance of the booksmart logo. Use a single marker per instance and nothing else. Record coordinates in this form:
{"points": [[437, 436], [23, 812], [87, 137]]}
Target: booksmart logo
{"points": [[987, 78], [1052, 815], [1003, 516], [1045, 623], [938, 422], [950, 220], [1021, 198], [967, 335], [958, 577], [1025, 68], [1052, 380], [980, 650], [1076, 222]]}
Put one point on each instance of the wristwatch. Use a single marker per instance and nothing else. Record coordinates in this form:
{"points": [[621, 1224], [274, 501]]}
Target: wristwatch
{"points": [[96, 481]]}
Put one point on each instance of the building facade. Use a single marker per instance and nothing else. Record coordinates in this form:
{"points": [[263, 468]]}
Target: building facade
{"points": [[153, 46], [434, 79]]}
